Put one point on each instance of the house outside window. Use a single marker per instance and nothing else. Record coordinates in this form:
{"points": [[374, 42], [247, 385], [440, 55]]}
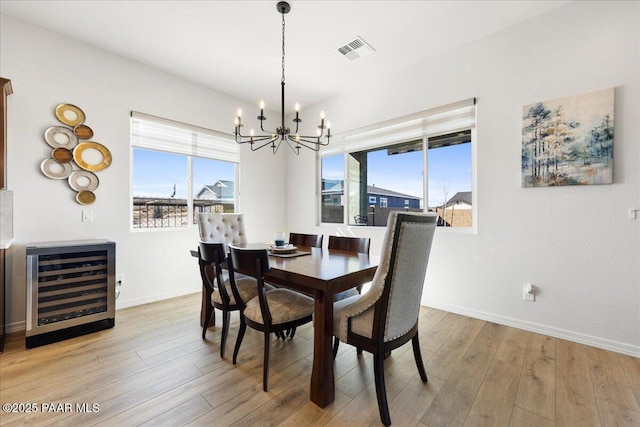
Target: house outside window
{"points": [[179, 171], [433, 172]]}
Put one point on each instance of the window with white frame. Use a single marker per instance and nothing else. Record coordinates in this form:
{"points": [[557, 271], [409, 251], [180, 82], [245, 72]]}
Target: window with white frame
{"points": [[178, 171], [421, 162]]}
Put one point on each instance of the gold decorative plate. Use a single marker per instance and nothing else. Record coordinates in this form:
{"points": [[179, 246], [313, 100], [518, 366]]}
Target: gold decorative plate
{"points": [[55, 170], [85, 197], [70, 114], [83, 181], [62, 155], [97, 166], [83, 132], [60, 137]]}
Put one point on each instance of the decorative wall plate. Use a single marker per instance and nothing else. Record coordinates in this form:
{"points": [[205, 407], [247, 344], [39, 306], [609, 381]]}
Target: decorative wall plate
{"points": [[55, 170], [85, 197], [83, 132], [83, 181], [60, 136], [62, 155], [79, 150], [69, 114]]}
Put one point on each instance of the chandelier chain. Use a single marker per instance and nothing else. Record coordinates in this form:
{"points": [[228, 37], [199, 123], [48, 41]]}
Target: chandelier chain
{"points": [[282, 81]]}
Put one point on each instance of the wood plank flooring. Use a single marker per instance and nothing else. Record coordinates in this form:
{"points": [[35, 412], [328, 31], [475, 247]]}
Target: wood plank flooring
{"points": [[153, 369]]}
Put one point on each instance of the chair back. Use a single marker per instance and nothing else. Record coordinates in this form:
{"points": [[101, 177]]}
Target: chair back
{"points": [[400, 276], [311, 240], [350, 244], [222, 227], [212, 255], [254, 263]]}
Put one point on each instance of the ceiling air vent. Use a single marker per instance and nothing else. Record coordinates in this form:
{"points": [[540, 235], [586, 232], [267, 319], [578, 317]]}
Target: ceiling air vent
{"points": [[355, 49]]}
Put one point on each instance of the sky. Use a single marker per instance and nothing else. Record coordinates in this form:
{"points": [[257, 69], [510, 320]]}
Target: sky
{"points": [[155, 173], [449, 171]]}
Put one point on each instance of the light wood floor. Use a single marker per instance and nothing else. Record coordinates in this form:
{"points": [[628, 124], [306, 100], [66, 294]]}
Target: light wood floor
{"points": [[154, 369]]}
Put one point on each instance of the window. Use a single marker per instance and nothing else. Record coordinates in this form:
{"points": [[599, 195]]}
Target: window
{"points": [[417, 163], [179, 171], [332, 174]]}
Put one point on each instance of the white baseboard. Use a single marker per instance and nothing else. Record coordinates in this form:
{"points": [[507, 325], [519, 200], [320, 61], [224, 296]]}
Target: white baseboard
{"points": [[21, 326], [593, 341]]}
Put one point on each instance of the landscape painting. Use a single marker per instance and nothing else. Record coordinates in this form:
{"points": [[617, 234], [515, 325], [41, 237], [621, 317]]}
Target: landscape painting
{"points": [[568, 141]]}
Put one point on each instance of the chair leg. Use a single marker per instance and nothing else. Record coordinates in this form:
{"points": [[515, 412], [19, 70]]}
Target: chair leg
{"points": [[213, 316], [418, 356], [336, 343], [241, 329], [381, 392], [225, 331], [267, 356], [292, 332], [208, 314]]}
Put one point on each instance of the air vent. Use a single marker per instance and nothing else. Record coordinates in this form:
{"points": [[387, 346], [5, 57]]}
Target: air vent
{"points": [[355, 49]]}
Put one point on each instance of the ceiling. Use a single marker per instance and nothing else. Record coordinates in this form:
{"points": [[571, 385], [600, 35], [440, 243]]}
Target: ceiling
{"points": [[235, 46]]}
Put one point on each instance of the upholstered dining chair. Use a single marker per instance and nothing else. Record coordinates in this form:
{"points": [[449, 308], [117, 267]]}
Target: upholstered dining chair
{"points": [[219, 290], [386, 317], [274, 310], [311, 240], [222, 228]]}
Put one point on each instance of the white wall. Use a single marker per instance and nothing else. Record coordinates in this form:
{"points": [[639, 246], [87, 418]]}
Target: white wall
{"points": [[575, 244], [47, 69]]}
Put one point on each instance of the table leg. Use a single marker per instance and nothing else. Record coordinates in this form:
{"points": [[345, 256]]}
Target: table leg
{"points": [[322, 381]]}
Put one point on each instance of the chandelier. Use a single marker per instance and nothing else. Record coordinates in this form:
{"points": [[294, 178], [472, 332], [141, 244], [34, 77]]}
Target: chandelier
{"points": [[283, 133]]}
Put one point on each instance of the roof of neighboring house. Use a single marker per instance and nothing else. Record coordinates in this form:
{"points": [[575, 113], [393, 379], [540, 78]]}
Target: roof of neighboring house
{"points": [[216, 188], [337, 187], [460, 196], [372, 189]]}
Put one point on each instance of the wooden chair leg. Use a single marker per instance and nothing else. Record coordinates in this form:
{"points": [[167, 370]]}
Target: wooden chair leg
{"points": [[381, 392], [358, 350], [212, 322], [225, 331], [336, 343], [267, 356], [241, 329], [292, 332], [208, 314], [418, 356]]}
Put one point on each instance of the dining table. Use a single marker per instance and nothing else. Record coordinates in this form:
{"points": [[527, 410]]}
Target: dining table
{"points": [[320, 273]]}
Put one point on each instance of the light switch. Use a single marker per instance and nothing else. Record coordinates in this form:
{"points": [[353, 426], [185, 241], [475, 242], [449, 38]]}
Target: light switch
{"points": [[87, 216]]}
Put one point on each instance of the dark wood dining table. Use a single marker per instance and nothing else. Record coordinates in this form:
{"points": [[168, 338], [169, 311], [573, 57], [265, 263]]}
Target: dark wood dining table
{"points": [[321, 274]]}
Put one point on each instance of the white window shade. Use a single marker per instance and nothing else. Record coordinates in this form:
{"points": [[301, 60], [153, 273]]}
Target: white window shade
{"points": [[433, 122], [155, 133]]}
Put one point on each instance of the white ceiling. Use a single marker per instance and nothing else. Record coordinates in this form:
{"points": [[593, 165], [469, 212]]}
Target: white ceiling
{"points": [[235, 46]]}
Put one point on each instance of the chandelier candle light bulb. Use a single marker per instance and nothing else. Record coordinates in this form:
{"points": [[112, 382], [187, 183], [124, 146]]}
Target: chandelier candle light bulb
{"points": [[283, 133]]}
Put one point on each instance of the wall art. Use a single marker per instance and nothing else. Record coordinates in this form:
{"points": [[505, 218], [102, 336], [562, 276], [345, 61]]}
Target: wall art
{"points": [[568, 141], [73, 158]]}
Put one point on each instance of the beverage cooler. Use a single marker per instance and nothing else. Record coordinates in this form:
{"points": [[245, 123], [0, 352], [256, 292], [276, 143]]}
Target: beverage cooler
{"points": [[70, 289]]}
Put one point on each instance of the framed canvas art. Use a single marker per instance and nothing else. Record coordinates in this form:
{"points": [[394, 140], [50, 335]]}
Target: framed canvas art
{"points": [[568, 141]]}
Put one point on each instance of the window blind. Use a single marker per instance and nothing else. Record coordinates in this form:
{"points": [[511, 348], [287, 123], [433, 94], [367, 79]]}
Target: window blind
{"points": [[433, 122], [156, 133]]}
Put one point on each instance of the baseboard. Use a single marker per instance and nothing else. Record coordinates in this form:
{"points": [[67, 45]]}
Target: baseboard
{"points": [[156, 297], [593, 341], [21, 326]]}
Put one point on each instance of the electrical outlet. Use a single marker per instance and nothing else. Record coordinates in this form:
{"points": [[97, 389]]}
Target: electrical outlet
{"points": [[529, 293]]}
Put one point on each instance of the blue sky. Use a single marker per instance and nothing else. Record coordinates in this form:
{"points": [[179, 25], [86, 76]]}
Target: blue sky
{"points": [[449, 170], [155, 173]]}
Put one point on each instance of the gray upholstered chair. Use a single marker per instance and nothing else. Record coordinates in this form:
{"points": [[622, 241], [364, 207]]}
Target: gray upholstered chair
{"points": [[276, 310], [223, 228], [220, 292], [386, 317]]}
